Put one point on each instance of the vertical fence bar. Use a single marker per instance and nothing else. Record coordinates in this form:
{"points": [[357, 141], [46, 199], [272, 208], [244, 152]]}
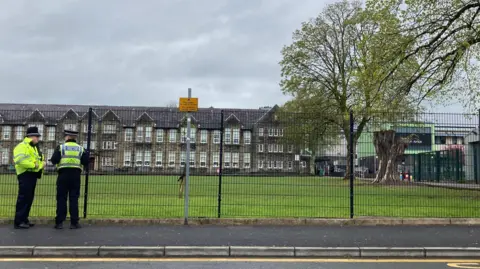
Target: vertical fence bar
{"points": [[352, 167], [219, 207], [87, 169], [476, 166], [187, 163]]}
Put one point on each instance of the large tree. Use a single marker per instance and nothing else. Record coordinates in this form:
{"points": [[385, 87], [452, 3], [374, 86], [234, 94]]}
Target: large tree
{"points": [[442, 36], [337, 63]]}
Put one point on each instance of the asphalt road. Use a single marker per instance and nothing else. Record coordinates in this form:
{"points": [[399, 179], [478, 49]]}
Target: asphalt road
{"points": [[228, 265], [308, 236]]}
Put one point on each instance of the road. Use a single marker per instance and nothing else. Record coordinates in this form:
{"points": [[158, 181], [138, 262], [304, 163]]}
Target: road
{"points": [[241, 264], [299, 236]]}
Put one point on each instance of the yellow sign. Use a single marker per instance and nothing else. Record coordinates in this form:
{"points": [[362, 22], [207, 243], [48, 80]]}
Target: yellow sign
{"points": [[188, 104]]}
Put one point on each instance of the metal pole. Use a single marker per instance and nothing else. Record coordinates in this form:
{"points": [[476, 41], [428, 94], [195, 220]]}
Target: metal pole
{"points": [[187, 164], [219, 208], [87, 169], [476, 166], [352, 167]]}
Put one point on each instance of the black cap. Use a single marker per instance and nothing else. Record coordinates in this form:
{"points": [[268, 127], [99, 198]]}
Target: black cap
{"points": [[70, 133], [33, 131]]}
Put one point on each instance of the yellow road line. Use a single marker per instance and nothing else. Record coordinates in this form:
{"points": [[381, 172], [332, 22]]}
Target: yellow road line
{"points": [[279, 260]]}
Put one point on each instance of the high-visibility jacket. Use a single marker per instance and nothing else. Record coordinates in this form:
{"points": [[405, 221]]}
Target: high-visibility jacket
{"points": [[25, 156], [71, 154]]}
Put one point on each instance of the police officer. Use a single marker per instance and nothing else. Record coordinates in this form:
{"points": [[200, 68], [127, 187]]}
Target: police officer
{"points": [[29, 165], [69, 158]]}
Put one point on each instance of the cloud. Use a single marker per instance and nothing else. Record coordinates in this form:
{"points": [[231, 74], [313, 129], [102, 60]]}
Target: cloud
{"points": [[123, 52]]}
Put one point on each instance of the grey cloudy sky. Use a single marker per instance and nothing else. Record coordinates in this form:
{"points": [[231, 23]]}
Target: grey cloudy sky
{"points": [[146, 52]]}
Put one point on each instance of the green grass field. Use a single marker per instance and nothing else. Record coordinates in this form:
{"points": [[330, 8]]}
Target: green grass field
{"points": [[271, 197]]}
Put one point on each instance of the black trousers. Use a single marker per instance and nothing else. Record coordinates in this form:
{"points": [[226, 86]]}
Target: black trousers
{"points": [[68, 187], [27, 182]]}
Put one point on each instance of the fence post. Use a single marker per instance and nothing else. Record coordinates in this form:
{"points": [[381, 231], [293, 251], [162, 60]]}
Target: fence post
{"points": [[352, 167], [87, 169], [476, 166], [219, 207]]}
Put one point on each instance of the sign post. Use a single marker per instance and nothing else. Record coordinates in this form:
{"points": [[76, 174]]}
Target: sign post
{"points": [[188, 105]]}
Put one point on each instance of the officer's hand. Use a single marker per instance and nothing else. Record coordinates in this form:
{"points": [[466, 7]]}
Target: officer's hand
{"points": [[44, 163], [36, 165]]}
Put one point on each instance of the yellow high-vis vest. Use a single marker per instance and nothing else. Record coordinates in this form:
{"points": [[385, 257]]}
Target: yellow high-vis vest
{"points": [[71, 155], [25, 156]]}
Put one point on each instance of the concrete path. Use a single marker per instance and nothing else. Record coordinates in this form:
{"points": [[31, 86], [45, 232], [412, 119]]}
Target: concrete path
{"points": [[299, 236]]}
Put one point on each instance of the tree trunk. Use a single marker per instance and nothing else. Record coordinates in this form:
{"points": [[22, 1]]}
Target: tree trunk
{"points": [[350, 169], [388, 148]]}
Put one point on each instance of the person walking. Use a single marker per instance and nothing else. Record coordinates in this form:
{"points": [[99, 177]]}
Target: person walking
{"points": [[69, 158], [29, 163]]}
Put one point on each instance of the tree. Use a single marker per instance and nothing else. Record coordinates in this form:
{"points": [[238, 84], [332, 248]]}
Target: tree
{"points": [[442, 37], [336, 64]]}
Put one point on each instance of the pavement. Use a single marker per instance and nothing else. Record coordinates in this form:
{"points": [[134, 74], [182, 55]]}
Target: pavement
{"points": [[267, 264], [298, 236]]}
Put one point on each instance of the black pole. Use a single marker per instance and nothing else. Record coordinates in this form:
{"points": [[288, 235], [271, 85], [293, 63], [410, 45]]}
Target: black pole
{"points": [[477, 165], [352, 167], [219, 207], [87, 169]]}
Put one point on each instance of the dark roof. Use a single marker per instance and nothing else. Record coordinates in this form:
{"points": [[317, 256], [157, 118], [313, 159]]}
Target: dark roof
{"points": [[164, 117]]}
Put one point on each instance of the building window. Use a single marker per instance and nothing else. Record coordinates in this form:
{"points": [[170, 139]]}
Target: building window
{"points": [[260, 131], [247, 137], [109, 129], [40, 128], [279, 165], [183, 158], [139, 137], [236, 136], [19, 132], [203, 159], [246, 160], [51, 134], [107, 161], [215, 159], [203, 136], [49, 155], [6, 132], [275, 148], [227, 159], [280, 132], [440, 140], [148, 134], [127, 158], [235, 160], [275, 132], [227, 136], [159, 135], [128, 134], [270, 147], [260, 164], [290, 165], [138, 158], [304, 164], [4, 156], [216, 137], [290, 148], [171, 159], [147, 158], [192, 159], [92, 144], [271, 164], [193, 132], [270, 132], [460, 141], [109, 145], [260, 147], [70, 127], [159, 159], [454, 140], [85, 128], [172, 136], [280, 148]]}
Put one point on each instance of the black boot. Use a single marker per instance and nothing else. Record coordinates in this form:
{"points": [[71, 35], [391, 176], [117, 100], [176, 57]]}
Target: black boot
{"points": [[22, 225], [75, 226], [58, 226]]}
